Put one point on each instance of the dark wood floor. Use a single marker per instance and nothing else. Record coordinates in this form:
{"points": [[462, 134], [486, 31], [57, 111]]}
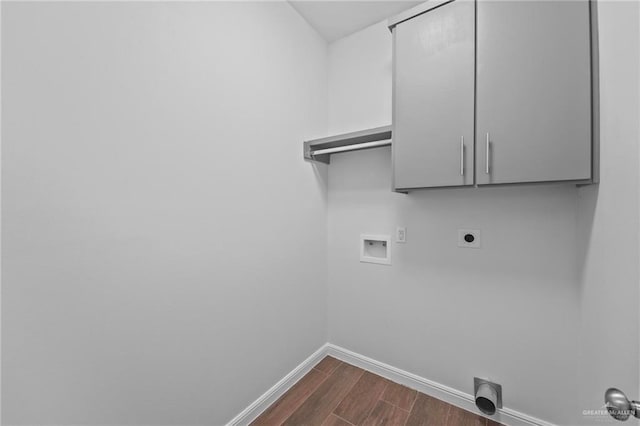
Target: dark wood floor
{"points": [[335, 393]]}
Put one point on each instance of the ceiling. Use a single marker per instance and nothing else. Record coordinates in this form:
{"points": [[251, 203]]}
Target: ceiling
{"points": [[338, 18]]}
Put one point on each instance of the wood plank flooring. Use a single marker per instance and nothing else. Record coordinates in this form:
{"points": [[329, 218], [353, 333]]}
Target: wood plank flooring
{"points": [[335, 393]]}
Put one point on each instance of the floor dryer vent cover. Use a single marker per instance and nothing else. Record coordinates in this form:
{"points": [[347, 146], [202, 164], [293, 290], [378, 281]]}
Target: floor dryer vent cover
{"points": [[488, 395]]}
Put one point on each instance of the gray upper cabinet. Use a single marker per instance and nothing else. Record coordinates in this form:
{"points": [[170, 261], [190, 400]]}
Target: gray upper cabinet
{"points": [[533, 91], [434, 98], [512, 79]]}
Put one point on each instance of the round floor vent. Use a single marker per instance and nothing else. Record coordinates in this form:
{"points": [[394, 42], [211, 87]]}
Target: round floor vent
{"points": [[488, 396]]}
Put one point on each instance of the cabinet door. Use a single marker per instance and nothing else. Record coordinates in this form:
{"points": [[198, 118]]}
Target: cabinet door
{"points": [[533, 91], [433, 98]]}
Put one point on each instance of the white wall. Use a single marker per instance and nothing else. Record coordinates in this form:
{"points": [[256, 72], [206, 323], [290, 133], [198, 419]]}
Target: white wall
{"points": [[608, 219], [517, 310], [164, 256]]}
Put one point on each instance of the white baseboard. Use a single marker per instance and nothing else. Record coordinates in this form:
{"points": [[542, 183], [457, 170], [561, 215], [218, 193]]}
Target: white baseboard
{"points": [[455, 397], [256, 408]]}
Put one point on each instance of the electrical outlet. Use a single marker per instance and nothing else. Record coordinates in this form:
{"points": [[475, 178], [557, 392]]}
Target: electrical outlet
{"points": [[401, 235], [469, 238]]}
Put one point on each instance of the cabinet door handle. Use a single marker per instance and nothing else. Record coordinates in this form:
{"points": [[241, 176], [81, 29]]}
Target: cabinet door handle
{"points": [[486, 163], [461, 155]]}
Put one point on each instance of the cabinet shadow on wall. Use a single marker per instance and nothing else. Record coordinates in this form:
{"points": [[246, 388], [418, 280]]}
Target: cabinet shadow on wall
{"points": [[587, 203]]}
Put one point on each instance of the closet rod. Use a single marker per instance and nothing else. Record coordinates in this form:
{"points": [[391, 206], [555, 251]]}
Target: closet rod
{"points": [[351, 147], [320, 150]]}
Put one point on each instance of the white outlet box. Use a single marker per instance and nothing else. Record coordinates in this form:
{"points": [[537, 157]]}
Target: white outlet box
{"points": [[469, 238], [375, 249], [401, 234]]}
